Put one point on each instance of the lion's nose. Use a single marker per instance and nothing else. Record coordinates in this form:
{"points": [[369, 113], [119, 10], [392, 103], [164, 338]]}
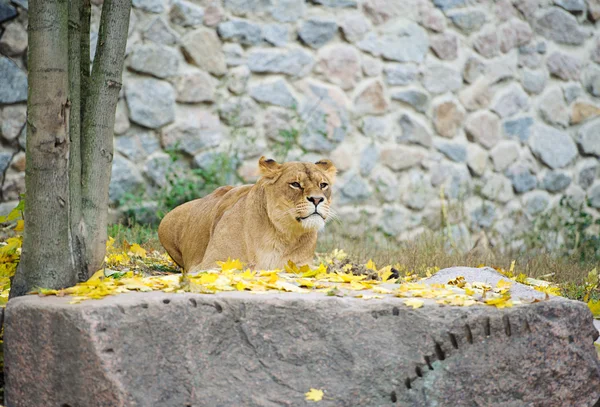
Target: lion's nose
{"points": [[316, 200]]}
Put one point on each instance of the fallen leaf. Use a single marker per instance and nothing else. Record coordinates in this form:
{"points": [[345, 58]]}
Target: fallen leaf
{"points": [[314, 395], [414, 303]]}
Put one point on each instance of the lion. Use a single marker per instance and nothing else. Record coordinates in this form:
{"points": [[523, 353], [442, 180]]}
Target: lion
{"points": [[264, 224]]}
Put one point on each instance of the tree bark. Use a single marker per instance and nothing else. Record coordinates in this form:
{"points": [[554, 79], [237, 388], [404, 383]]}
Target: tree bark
{"points": [[46, 255], [98, 122], [77, 243]]}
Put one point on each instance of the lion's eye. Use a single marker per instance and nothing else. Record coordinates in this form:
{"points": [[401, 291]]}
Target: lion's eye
{"points": [[324, 185], [296, 185]]}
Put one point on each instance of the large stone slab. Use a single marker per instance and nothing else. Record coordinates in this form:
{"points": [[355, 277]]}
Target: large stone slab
{"points": [[244, 349]]}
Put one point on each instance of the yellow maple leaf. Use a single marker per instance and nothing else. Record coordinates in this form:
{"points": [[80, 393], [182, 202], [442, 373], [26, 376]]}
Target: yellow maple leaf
{"points": [[414, 303], [291, 267], [230, 265], [500, 302], [503, 284], [314, 395], [20, 225], [594, 306], [137, 250], [371, 265]]}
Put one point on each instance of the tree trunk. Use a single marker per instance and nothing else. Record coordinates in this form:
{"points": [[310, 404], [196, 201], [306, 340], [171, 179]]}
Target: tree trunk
{"points": [[46, 258], [98, 122], [70, 120]]}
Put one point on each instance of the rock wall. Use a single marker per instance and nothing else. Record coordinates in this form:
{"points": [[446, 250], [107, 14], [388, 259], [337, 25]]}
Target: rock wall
{"points": [[492, 105]]}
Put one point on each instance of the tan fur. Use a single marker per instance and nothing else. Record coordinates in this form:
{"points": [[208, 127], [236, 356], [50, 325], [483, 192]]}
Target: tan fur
{"points": [[259, 224]]}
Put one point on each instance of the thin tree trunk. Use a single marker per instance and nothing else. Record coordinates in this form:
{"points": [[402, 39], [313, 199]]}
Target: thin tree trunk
{"points": [[85, 17], [77, 243], [47, 213], [98, 123]]}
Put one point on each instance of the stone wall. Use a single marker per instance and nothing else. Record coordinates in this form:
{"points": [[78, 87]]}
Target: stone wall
{"points": [[493, 104]]}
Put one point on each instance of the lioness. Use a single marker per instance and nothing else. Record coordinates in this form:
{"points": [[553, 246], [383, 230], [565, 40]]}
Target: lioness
{"points": [[264, 225]]}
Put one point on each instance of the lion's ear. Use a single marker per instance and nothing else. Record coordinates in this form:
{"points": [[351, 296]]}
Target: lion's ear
{"points": [[327, 167], [268, 167]]}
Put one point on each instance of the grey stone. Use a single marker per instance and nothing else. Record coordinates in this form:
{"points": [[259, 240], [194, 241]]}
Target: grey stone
{"points": [[590, 80], [467, 21], [518, 129], [484, 128], [558, 25], [7, 12], [455, 179], [413, 131], [536, 202], [293, 62], [396, 219], [572, 92], [376, 127], [13, 120], [288, 11], [197, 131], [534, 82], [340, 65], [297, 339], [445, 5], [575, 197], [137, 144], [455, 151], [368, 159], [510, 101], [554, 147], [234, 54], [153, 6], [155, 59], [186, 14], [274, 92], [473, 69], [400, 74], [151, 102], [399, 157], [594, 195], [418, 99], [445, 46], [275, 121], [497, 188], [237, 79], [513, 34], [5, 159], [574, 6], [588, 138], [521, 177], [595, 53], [158, 31], [125, 179], [586, 171], [483, 215], [275, 34], [203, 47], [433, 19], [13, 41], [563, 66], [504, 154], [354, 188], [371, 66], [324, 110], [486, 44], [121, 118], [24, 4], [243, 31], [13, 87], [243, 7], [316, 32], [553, 108], [354, 26], [370, 98], [402, 41], [477, 159], [556, 181], [238, 112], [441, 79], [194, 86], [336, 3], [386, 184]]}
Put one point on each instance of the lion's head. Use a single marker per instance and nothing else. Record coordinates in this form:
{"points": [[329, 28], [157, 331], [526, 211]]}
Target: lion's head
{"points": [[298, 194]]}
